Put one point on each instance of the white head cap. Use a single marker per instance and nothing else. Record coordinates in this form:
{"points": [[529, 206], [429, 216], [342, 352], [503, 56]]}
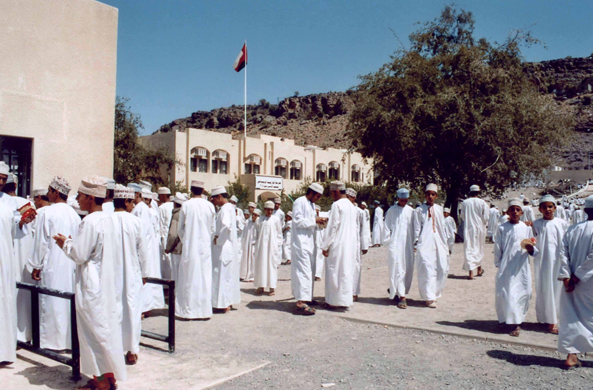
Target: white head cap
{"points": [[474, 188], [269, 205], [198, 183], [110, 184], [146, 193], [135, 187], [251, 204], [155, 196], [277, 201], [257, 211], [246, 211], [316, 187], [432, 187], [446, 210], [515, 202], [364, 204], [39, 192], [589, 202], [11, 178], [337, 186], [123, 192], [351, 192], [4, 169], [218, 190], [234, 199], [163, 191], [547, 198], [93, 185], [180, 198], [289, 214], [60, 184]]}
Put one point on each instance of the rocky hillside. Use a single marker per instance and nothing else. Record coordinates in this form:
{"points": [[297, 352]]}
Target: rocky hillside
{"points": [[321, 119]]}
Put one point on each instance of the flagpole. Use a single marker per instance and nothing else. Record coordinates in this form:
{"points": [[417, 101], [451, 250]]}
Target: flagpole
{"points": [[245, 117]]}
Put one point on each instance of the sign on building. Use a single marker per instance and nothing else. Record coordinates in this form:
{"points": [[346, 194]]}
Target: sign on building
{"points": [[268, 183]]}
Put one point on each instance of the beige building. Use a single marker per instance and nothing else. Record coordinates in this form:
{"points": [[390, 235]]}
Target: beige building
{"points": [[265, 163], [57, 89]]}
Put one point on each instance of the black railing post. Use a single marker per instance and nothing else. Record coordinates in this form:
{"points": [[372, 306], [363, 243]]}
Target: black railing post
{"points": [[36, 338], [75, 344], [172, 317]]}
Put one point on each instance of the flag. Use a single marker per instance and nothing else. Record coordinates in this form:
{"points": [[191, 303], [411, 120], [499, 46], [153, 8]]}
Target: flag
{"points": [[241, 60]]}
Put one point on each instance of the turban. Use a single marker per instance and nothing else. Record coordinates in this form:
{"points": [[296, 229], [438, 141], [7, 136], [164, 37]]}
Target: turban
{"points": [[351, 192], [163, 191], [474, 188], [269, 205], [316, 187], [403, 193], [337, 186], [123, 192], [198, 183], [514, 202], [218, 190], [60, 184], [93, 185], [432, 187]]}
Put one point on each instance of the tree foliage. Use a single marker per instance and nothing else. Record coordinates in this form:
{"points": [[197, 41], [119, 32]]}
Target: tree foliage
{"points": [[132, 161], [457, 111]]}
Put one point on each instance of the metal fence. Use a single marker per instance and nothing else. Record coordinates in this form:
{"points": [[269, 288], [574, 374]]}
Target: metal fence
{"points": [[170, 338], [35, 346]]}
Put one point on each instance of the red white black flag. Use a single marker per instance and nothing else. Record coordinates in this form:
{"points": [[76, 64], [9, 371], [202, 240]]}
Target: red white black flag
{"points": [[241, 60]]}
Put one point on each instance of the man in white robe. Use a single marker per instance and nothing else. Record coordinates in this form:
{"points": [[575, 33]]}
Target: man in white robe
{"points": [[378, 225], [362, 245], [452, 226], [319, 232], [152, 294], [8, 312], [248, 248], [576, 298], [513, 279], [367, 216], [107, 205], [98, 289], [267, 230], [528, 215], [173, 245], [52, 268], [493, 217], [282, 217], [339, 247], [432, 257], [304, 247], [560, 211], [474, 212], [549, 232], [241, 222], [287, 238], [399, 238], [165, 214], [193, 291], [578, 216], [225, 284]]}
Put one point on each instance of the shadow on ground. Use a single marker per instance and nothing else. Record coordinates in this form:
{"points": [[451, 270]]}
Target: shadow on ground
{"points": [[57, 377], [531, 360]]}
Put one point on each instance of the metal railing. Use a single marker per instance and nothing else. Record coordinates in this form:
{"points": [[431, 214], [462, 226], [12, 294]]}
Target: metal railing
{"points": [[35, 345], [170, 338]]}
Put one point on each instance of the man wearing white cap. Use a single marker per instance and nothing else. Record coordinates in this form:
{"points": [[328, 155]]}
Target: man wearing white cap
{"points": [[560, 211], [362, 245], [339, 247], [378, 225], [399, 238], [474, 212], [241, 222], [452, 226], [514, 244], [267, 231], [281, 216], [319, 234], [576, 298], [287, 238], [225, 285], [99, 307], [108, 202], [549, 232], [247, 245], [432, 257], [8, 291], [52, 268], [5, 198], [173, 246], [40, 198], [152, 294], [493, 217], [367, 216], [303, 250], [194, 279], [528, 215], [165, 214]]}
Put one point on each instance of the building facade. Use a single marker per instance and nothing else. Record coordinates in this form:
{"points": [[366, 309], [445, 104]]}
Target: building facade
{"points": [[265, 163], [57, 89]]}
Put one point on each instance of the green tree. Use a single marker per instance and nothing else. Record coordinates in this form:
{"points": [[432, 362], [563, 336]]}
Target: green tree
{"points": [[241, 191], [132, 161], [456, 111]]}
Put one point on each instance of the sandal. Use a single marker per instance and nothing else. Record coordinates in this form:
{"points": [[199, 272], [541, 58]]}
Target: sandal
{"points": [[271, 293], [554, 330], [305, 310], [402, 304], [431, 304], [573, 367], [93, 384], [481, 273], [515, 332], [131, 359], [259, 291]]}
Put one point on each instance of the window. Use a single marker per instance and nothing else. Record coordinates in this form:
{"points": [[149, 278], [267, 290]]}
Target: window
{"points": [[252, 164], [219, 162], [334, 170], [321, 172], [295, 170], [199, 160], [281, 166], [355, 176], [194, 164]]}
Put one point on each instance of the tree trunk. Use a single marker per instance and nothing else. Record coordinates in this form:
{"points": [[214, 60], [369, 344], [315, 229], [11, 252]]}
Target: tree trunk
{"points": [[453, 202]]}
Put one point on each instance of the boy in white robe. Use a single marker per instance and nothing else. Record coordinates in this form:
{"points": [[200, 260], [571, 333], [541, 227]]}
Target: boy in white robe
{"points": [[281, 216], [362, 246], [432, 257], [367, 215], [165, 215], [50, 266], [528, 215], [241, 222], [248, 248], [378, 225], [266, 235], [560, 211], [452, 226], [399, 238], [513, 246], [549, 232], [319, 232], [98, 312], [305, 248], [474, 212], [576, 298], [339, 247], [492, 222], [193, 288], [287, 237], [225, 286]]}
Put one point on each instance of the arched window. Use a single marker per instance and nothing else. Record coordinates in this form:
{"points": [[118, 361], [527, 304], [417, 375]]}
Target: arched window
{"points": [[296, 169], [220, 163], [334, 170], [355, 173], [280, 167], [252, 164], [199, 159], [321, 173]]}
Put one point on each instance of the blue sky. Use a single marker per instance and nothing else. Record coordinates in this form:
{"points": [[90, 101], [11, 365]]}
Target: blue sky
{"points": [[175, 57]]}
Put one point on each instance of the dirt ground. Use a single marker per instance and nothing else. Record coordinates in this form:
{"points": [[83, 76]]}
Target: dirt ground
{"points": [[374, 345]]}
